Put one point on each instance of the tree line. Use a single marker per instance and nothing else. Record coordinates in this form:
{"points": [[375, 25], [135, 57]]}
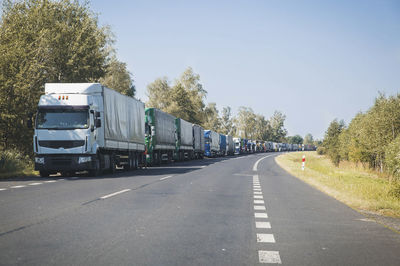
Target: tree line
{"points": [[371, 138], [50, 41], [185, 98]]}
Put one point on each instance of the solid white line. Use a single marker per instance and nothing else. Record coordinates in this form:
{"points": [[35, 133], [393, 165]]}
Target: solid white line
{"points": [[2, 189], [259, 160], [50, 181], [259, 202], [265, 238], [265, 256], [258, 196], [116, 193], [17, 186], [260, 215], [34, 184], [259, 208], [263, 225], [165, 177]]}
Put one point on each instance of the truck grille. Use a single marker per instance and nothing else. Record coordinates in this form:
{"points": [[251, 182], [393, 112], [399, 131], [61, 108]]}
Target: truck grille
{"points": [[66, 144]]}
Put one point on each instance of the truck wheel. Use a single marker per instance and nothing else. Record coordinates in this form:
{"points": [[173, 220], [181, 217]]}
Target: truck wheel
{"points": [[112, 164], [97, 170], [159, 158], [44, 173]]}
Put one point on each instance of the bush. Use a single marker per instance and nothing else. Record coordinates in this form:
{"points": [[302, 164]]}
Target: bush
{"points": [[320, 150], [392, 158], [12, 161]]}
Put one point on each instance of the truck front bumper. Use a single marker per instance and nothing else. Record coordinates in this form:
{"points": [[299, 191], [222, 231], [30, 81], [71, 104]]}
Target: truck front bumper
{"points": [[64, 162]]}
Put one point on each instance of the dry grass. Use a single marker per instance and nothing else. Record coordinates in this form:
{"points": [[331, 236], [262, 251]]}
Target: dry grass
{"points": [[352, 184]]}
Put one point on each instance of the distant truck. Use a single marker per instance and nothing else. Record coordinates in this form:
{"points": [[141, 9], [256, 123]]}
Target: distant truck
{"points": [[87, 127], [238, 145], [211, 140], [184, 140], [198, 141], [230, 145], [222, 145], [160, 136]]}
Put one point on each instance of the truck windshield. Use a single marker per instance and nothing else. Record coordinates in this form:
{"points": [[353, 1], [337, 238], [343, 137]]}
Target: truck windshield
{"points": [[62, 119]]}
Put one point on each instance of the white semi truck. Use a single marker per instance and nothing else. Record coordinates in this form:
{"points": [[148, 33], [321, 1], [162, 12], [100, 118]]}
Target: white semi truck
{"points": [[87, 127]]}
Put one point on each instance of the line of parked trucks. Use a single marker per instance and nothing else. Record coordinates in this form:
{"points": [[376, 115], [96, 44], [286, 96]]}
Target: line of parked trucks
{"points": [[88, 127]]}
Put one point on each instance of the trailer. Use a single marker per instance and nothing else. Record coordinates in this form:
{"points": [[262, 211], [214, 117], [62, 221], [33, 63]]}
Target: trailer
{"points": [[87, 127], [230, 145], [211, 140], [198, 141], [160, 136], [222, 145], [184, 140]]}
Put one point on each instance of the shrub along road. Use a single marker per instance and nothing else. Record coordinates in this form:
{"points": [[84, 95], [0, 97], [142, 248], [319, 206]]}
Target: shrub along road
{"points": [[230, 211]]}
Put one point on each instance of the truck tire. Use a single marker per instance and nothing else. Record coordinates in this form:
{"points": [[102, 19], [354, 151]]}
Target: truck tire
{"points": [[97, 170], [113, 164], [44, 173]]}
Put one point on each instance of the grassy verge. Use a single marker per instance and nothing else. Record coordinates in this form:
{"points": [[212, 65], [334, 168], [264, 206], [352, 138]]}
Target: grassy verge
{"points": [[361, 189], [14, 164]]}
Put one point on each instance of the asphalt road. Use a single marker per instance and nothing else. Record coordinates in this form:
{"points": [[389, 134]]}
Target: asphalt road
{"points": [[227, 211]]}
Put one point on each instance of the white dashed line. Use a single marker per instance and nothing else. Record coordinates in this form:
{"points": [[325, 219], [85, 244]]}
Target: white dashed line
{"points": [[2, 189], [17, 186], [256, 186], [257, 189], [259, 160], [265, 256], [203, 166], [165, 177], [259, 202], [257, 193], [265, 238], [114, 194], [263, 225], [260, 215], [259, 208], [34, 184], [258, 196], [50, 181]]}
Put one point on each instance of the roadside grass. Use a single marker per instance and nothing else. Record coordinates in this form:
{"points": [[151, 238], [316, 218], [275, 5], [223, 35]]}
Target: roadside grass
{"points": [[14, 164], [352, 184]]}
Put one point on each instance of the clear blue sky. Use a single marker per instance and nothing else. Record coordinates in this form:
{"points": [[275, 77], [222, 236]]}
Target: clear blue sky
{"points": [[312, 60]]}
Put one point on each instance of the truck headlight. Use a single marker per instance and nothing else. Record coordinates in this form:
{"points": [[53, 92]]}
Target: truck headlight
{"points": [[39, 160], [84, 159]]}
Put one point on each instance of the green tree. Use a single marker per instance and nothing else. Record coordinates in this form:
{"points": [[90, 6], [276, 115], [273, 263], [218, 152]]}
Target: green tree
{"points": [[184, 99], [117, 77], [331, 140], [44, 41], [297, 139], [245, 122], [277, 127], [226, 120], [212, 120], [308, 139], [262, 129], [159, 93]]}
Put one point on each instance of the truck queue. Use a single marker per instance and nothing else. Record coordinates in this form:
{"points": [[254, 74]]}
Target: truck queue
{"points": [[88, 127]]}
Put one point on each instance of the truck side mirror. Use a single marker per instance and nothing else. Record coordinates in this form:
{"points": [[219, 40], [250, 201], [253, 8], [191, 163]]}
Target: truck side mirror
{"points": [[97, 114], [92, 128], [98, 123]]}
